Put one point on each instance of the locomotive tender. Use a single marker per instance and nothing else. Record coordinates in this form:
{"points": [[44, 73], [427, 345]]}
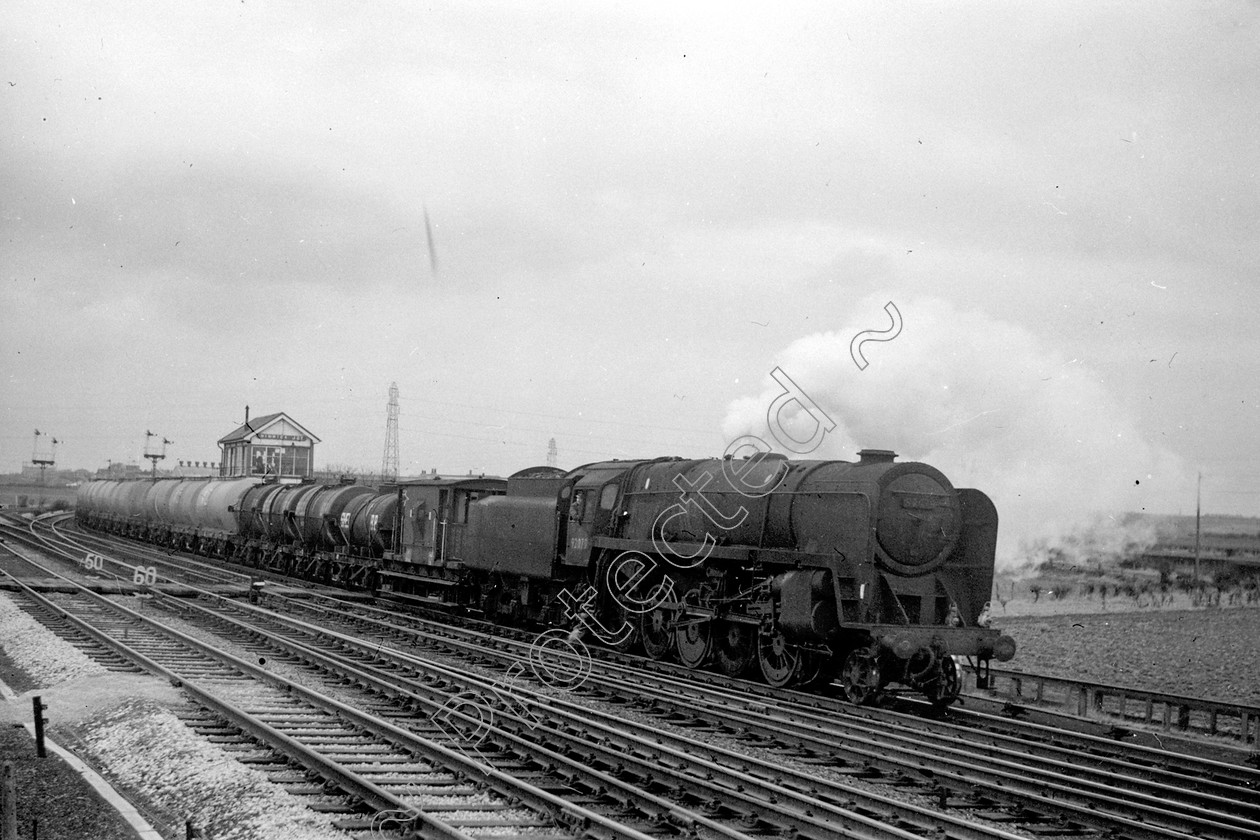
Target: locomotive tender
{"points": [[872, 571]]}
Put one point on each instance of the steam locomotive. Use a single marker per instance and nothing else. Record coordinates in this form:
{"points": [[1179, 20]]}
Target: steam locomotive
{"points": [[802, 571]]}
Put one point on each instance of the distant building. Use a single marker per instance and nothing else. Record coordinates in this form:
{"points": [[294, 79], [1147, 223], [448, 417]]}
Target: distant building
{"points": [[274, 446], [1227, 545], [118, 470]]}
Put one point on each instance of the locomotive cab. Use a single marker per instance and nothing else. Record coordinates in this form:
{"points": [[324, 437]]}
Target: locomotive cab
{"points": [[589, 503]]}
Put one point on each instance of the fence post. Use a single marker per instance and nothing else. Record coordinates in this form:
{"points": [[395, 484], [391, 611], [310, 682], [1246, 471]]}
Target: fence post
{"points": [[8, 803]]}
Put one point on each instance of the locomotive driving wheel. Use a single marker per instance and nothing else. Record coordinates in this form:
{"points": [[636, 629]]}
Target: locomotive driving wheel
{"points": [[693, 636], [781, 662], [734, 647], [655, 628], [860, 676]]}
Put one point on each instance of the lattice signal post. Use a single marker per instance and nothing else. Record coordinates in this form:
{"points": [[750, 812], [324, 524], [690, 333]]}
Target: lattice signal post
{"points": [[43, 460], [389, 460], [553, 457]]}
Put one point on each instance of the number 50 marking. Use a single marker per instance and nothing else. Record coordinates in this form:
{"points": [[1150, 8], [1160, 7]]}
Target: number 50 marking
{"points": [[93, 561]]}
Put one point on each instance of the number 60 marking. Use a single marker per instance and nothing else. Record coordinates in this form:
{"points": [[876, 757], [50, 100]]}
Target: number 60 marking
{"points": [[144, 575]]}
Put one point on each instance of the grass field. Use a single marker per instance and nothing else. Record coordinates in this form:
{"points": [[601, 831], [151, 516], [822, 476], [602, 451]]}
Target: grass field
{"points": [[13, 495]]}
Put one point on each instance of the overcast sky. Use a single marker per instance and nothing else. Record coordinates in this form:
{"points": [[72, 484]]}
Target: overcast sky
{"points": [[638, 212]]}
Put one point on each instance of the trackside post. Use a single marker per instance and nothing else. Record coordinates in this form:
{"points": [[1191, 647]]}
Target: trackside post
{"points": [[38, 708], [8, 803]]}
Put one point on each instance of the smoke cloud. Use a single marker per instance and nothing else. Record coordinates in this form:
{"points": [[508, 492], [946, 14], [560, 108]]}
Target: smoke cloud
{"points": [[989, 404], [1101, 544]]}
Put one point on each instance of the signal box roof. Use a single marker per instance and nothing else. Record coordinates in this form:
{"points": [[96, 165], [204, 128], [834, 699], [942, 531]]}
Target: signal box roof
{"points": [[278, 426]]}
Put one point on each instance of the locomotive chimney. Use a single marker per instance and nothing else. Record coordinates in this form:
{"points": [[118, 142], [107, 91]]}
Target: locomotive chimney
{"points": [[876, 456]]}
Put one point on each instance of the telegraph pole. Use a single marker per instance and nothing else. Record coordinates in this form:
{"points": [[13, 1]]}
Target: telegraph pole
{"points": [[1198, 513]]}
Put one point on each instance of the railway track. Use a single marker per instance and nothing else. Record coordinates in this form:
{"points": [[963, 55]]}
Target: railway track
{"points": [[174, 566], [127, 567], [1136, 723], [490, 716], [1020, 722], [86, 557], [358, 764], [567, 779], [1037, 783], [1004, 769]]}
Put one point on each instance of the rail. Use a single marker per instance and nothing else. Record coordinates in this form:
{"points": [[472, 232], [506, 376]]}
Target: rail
{"points": [[1172, 712]]}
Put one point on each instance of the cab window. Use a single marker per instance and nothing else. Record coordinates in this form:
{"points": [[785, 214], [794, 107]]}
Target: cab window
{"points": [[608, 498]]}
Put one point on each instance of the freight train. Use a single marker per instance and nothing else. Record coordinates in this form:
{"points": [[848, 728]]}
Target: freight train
{"points": [[872, 572]]}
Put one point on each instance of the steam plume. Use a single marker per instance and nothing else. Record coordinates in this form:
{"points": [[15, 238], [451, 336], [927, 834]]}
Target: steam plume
{"points": [[988, 403]]}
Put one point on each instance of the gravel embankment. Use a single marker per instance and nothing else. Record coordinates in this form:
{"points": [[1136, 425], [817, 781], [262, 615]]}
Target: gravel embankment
{"points": [[121, 724], [46, 659], [147, 748]]}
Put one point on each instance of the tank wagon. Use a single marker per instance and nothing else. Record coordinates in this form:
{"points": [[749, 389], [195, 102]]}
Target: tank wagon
{"points": [[344, 534], [875, 571], [190, 514]]}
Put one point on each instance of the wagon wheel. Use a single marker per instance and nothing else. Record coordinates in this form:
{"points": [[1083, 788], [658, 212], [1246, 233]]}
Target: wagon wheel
{"points": [[945, 689], [860, 676], [657, 632], [692, 636], [780, 662], [734, 647]]}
